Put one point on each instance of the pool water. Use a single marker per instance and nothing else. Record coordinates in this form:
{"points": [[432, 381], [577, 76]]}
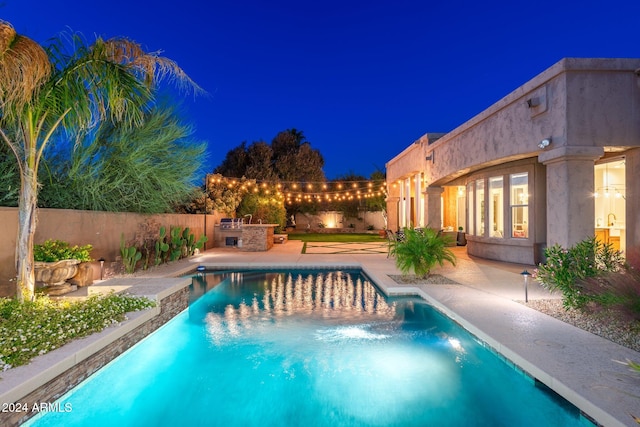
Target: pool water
{"points": [[308, 348]]}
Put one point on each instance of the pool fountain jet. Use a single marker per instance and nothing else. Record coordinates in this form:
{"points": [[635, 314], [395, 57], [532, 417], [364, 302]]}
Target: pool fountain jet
{"points": [[250, 217]]}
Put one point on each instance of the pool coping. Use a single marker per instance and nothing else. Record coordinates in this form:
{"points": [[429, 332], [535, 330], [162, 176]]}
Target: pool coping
{"points": [[480, 312]]}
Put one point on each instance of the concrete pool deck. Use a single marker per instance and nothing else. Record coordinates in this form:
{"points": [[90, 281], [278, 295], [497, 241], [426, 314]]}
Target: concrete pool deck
{"points": [[576, 364]]}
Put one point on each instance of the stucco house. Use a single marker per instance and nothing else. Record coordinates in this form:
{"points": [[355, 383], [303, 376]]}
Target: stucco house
{"points": [[553, 162]]}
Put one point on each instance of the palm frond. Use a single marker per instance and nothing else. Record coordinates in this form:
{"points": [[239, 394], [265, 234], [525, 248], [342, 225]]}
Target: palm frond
{"points": [[25, 68], [150, 67]]}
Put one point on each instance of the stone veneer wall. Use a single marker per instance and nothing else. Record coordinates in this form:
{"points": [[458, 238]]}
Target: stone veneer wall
{"points": [[255, 239], [169, 307]]}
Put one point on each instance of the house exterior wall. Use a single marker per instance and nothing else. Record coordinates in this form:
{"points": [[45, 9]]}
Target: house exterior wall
{"points": [[588, 108]]}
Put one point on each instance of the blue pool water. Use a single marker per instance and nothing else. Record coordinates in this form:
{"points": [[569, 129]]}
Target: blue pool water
{"points": [[308, 348]]}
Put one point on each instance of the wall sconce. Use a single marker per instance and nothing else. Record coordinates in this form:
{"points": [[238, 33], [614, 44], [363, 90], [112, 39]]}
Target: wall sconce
{"points": [[431, 156], [544, 143], [533, 102]]}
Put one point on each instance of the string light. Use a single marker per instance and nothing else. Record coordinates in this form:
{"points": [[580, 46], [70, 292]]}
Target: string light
{"points": [[300, 192]]}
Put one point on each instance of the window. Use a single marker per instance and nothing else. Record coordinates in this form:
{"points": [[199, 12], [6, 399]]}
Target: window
{"points": [[496, 216], [519, 191], [470, 201], [480, 207]]}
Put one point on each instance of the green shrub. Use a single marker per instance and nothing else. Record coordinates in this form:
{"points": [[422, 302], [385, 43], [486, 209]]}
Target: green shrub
{"points": [[33, 328], [420, 251], [565, 267], [56, 250], [617, 290]]}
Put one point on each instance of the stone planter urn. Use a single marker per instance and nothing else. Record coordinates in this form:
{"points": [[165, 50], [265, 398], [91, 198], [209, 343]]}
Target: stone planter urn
{"points": [[52, 276]]}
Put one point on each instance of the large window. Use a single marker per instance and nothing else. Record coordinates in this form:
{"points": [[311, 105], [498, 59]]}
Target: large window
{"points": [[519, 191], [470, 200], [496, 207], [480, 207]]}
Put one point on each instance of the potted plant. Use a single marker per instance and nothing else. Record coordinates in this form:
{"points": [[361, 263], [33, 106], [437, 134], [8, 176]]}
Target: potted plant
{"points": [[56, 262], [461, 239]]}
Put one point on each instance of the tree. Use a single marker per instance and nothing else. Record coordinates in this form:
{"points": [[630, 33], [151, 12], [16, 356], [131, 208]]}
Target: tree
{"points": [[294, 159], [226, 196], [10, 182], [64, 91], [379, 202], [146, 169], [289, 158], [234, 163], [260, 162], [266, 207]]}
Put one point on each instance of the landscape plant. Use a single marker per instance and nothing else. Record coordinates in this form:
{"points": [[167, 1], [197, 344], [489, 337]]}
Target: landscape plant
{"points": [[420, 250], [565, 267], [60, 93], [33, 328], [56, 250], [130, 255], [617, 291], [266, 207], [111, 169], [161, 247]]}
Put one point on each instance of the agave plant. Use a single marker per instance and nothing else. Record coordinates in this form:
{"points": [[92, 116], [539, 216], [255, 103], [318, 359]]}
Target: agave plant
{"points": [[420, 251]]}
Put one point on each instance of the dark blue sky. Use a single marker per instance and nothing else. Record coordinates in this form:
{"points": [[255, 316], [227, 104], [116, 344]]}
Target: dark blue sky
{"points": [[361, 79]]}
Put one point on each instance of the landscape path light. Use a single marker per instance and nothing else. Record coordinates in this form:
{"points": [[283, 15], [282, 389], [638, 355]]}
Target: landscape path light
{"points": [[101, 267], [525, 275]]}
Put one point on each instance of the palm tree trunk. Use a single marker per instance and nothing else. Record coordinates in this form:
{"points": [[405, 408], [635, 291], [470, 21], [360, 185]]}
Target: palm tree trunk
{"points": [[26, 232]]}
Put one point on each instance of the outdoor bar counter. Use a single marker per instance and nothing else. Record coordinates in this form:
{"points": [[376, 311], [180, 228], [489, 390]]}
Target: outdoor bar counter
{"points": [[246, 237]]}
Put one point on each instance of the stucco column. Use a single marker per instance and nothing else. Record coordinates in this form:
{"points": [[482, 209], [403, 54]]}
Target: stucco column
{"points": [[433, 208], [392, 213], [632, 171], [570, 203], [401, 214], [407, 203], [417, 181]]}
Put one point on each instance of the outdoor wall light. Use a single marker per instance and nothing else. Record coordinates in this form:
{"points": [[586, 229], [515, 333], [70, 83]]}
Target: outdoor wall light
{"points": [[431, 156], [544, 143], [533, 102]]}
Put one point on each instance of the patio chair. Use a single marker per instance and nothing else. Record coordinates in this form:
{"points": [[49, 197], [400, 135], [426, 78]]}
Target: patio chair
{"points": [[391, 239]]}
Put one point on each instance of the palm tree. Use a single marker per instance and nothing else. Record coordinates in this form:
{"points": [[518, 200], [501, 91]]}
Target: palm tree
{"points": [[420, 251], [46, 95]]}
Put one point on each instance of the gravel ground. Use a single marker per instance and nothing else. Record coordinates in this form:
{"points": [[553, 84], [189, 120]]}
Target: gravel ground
{"points": [[604, 324]]}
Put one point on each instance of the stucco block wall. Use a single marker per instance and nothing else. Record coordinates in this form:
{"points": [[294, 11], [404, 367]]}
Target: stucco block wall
{"points": [[100, 229], [603, 107]]}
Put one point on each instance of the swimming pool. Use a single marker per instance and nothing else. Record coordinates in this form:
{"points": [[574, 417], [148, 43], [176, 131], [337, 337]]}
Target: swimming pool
{"points": [[309, 348]]}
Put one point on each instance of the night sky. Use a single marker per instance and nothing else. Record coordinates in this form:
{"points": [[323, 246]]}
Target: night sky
{"points": [[362, 80]]}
